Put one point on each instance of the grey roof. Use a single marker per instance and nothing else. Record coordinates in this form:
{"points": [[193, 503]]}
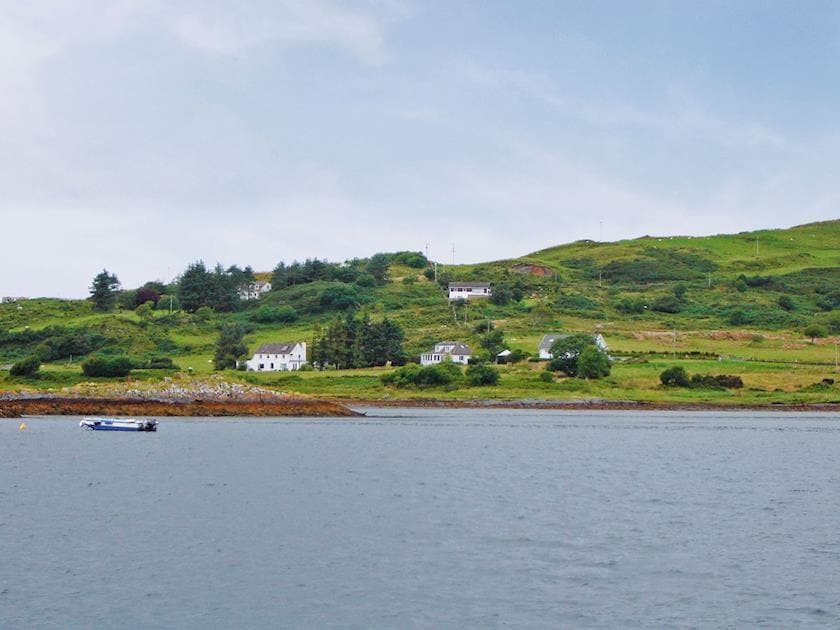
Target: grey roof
{"points": [[462, 285], [458, 348], [284, 347], [548, 340]]}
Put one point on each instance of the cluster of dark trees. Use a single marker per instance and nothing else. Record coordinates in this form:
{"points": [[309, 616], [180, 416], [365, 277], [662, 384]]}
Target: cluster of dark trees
{"points": [[578, 355], [217, 289], [445, 374], [362, 271], [354, 342]]}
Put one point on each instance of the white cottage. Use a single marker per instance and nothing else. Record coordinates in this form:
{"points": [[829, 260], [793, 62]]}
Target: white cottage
{"points": [[456, 351], [548, 340], [278, 357], [254, 290], [468, 290]]}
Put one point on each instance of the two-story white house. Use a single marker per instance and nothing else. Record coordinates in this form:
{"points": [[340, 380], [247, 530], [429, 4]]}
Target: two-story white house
{"points": [[548, 340], [468, 290], [254, 290], [455, 351], [278, 357]]}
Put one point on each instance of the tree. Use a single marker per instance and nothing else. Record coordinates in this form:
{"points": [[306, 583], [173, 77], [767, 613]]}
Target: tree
{"points": [[27, 367], [194, 287], [593, 363], [230, 347], [378, 266], [815, 330], [103, 291], [674, 376], [145, 311], [565, 352], [145, 294]]}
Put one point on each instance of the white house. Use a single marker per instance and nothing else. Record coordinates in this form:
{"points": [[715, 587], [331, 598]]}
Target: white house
{"points": [[548, 340], [456, 351], [467, 290], [278, 357], [254, 290]]}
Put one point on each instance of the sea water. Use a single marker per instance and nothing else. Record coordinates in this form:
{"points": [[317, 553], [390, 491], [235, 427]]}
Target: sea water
{"points": [[424, 518]]}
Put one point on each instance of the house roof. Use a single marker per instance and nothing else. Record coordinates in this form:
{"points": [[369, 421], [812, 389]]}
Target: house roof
{"points": [[465, 285], [283, 347], [458, 348]]}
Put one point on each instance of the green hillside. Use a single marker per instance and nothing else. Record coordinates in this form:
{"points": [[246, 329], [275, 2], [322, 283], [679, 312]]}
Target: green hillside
{"points": [[738, 303]]}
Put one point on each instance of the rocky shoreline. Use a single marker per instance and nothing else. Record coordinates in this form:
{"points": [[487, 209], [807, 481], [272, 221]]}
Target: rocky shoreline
{"points": [[289, 407]]}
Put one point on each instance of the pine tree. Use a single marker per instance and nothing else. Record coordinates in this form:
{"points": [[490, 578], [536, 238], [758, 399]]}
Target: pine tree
{"points": [[103, 291]]}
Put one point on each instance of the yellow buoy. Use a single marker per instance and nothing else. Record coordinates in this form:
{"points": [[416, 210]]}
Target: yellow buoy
{"points": [[22, 426]]}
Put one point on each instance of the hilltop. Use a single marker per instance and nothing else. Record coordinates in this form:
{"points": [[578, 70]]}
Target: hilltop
{"points": [[730, 302]]}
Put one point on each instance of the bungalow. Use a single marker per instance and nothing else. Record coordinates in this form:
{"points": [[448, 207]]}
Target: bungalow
{"points": [[467, 290], [254, 290], [548, 340], [456, 351], [278, 357]]}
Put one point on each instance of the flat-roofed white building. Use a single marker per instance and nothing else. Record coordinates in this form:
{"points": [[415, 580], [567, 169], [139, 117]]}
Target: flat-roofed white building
{"points": [[468, 290]]}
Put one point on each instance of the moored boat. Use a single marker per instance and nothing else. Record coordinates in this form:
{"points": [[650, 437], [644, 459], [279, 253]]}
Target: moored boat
{"points": [[123, 424]]}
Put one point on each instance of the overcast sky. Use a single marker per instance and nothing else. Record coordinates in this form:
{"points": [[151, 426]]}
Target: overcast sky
{"points": [[141, 135]]}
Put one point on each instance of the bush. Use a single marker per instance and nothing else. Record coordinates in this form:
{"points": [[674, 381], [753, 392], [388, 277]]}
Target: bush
{"points": [[162, 363], [717, 381], [547, 377], [446, 373], [786, 303], [565, 352], [274, 314], [630, 307], [27, 367], [814, 331], [593, 363], [667, 304], [482, 374], [675, 376], [403, 377], [203, 314], [103, 366]]}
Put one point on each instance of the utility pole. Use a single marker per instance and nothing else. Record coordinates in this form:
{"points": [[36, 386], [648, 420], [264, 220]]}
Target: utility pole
{"points": [[435, 272], [756, 245], [599, 278], [709, 285]]}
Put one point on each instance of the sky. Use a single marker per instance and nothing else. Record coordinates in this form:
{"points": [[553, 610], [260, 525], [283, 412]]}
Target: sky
{"points": [[142, 135]]}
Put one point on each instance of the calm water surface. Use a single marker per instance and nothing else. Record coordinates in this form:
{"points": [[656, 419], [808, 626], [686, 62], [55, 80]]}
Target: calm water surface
{"points": [[432, 518]]}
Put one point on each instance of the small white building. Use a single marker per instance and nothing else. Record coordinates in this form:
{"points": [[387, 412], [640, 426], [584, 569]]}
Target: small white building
{"points": [[468, 290], [254, 290], [278, 357], [455, 351], [548, 340]]}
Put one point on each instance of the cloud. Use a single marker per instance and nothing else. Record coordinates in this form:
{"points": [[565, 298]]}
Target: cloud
{"points": [[223, 30]]}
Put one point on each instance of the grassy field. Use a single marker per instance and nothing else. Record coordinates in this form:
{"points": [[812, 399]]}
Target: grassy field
{"points": [[741, 310]]}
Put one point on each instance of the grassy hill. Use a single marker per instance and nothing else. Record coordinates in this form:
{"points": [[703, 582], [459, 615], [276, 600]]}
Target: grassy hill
{"points": [[727, 303]]}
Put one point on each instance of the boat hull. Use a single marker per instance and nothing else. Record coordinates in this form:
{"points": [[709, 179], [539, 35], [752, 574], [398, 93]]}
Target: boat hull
{"points": [[107, 424]]}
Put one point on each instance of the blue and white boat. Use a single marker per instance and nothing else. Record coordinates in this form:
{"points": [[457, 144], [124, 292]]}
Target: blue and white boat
{"points": [[123, 424]]}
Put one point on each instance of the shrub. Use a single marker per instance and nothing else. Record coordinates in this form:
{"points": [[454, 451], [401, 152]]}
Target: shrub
{"points": [[630, 307], [162, 363], [786, 303], [484, 326], [593, 363], [103, 366], [566, 351], [547, 377], [274, 314], [403, 377], [203, 314], [482, 374], [27, 367], [667, 304], [675, 376], [727, 381], [445, 373]]}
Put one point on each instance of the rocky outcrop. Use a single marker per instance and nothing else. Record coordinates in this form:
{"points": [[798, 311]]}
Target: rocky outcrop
{"points": [[288, 407]]}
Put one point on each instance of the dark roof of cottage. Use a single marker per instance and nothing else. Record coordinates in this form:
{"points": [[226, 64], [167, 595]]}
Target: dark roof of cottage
{"points": [[462, 285], [284, 347]]}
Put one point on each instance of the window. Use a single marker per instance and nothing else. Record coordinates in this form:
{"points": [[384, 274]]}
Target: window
{"points": [[262, 366], [272, 366]]}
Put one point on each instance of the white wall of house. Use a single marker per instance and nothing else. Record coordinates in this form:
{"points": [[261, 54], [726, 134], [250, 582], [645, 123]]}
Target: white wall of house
{"points": [[442, 352], [279, 362], [254, 290], [465, 293]]}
